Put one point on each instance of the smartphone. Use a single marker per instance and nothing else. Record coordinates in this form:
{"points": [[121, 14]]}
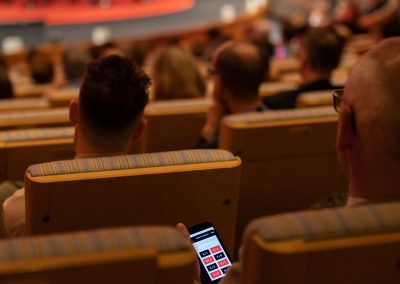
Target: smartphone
{"points": [[213, 257]]}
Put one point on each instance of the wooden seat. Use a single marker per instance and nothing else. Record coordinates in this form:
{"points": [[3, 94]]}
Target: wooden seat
{"points": [[358, 245], [289, 160], [273, 88], [24, 91], [160, 188], [21, 148], [34, 118], [118, 255], [23, 104], [315, 99], [62, 97], [173, 125]]}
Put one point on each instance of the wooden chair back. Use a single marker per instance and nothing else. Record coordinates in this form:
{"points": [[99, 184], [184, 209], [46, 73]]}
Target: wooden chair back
{"points": [[336, 247], [24, 147], [173, 125], [289, 160], [118, 255], [160, 188]]}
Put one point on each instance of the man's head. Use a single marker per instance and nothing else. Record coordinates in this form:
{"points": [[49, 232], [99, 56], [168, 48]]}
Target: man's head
{"points": [[108, 115], [369, 124], [75, 61], [322, 50], [240, 69]]}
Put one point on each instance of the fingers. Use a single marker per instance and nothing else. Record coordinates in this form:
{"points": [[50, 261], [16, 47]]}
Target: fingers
{"points": [[182, 229]]}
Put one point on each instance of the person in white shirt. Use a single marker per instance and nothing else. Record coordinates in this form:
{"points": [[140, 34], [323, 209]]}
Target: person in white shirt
{"points": [[108, 117]]}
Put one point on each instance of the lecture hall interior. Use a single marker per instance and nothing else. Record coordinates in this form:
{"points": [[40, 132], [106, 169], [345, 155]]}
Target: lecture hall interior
{"points": [[200, 141]]}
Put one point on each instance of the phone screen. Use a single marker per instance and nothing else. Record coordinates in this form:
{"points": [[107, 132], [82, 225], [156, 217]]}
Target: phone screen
{"points": [[212, 255]]}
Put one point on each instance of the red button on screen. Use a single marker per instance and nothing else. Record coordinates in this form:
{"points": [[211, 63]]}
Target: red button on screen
{"points": [[215, 249], [208, 260], [223, 262], [216, 274]]}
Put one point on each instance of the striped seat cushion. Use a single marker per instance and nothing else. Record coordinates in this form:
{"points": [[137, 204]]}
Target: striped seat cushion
{"points": [[36, 134], [35, 114], [165, 239], [278, 115], [27, 103], [122, 162], [329, 223]]}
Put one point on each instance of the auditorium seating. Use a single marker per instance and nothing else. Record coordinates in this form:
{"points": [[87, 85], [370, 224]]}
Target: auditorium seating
{"points": [[273, 88], [21, 148], [23, 91], [357, 245], [118, 255], [23, 104], [34, 118], [289, 159], [159, 188], [62, 97], [173, 125], [314, 99]]}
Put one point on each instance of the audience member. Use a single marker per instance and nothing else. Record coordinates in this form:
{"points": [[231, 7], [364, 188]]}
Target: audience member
{"points": [[107, 118], [75, 61], [176, 75], [368, 132], [41, 67], [238, 70], [321, 52]]}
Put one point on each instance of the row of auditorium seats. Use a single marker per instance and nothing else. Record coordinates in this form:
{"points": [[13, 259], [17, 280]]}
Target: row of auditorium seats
{"points": [[281, 153], [347, 245]]}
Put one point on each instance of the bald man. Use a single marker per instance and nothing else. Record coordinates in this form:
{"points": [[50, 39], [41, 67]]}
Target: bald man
{"points": [[368, 138], [237, 69]]}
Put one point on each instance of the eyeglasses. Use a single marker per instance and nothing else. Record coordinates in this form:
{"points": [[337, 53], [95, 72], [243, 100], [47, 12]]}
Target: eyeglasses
{"points": [[337, 99], [337, 103]]}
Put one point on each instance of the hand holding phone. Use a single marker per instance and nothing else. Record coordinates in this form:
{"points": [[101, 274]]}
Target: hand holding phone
{"points": [[213, 257]]}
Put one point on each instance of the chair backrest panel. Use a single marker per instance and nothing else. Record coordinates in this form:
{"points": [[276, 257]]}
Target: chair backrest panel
{"points": [[22, 148], [120, 255], [346, 245], [190, 193], [173, 125], [289, 160]]}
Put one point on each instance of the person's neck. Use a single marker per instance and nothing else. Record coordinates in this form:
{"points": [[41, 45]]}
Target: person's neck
{"points": [[310, 75], [85, 147], [237, 107]]}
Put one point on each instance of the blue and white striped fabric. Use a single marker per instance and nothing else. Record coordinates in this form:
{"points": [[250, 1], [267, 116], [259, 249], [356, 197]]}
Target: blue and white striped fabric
{"points": [[122, 162], [163, 238], [36, 134], [277, 115], [329, 223]]}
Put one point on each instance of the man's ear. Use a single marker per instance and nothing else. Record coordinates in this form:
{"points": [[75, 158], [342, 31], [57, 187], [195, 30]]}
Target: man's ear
{"points": [[346, 130], [74, 112], [138, 131]]}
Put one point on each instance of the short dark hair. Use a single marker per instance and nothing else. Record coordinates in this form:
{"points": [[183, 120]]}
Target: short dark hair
{"points": [[75, 61], [41, 66], [113, 96], [324, 47], [242, 73]]}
